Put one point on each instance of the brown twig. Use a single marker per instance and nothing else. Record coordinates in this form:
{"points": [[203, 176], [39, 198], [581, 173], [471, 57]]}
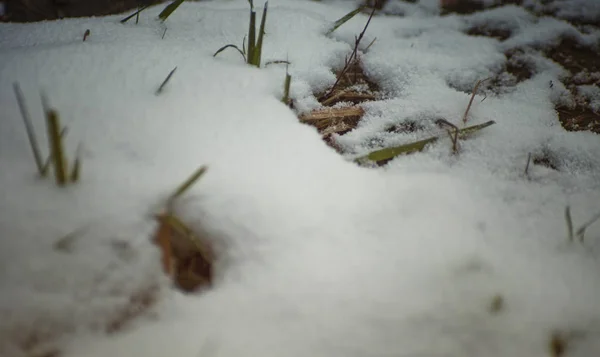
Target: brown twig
{"points": [[472, 97], [352, 56]]}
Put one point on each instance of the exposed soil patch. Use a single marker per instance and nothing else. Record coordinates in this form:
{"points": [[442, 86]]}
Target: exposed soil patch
{"points": [[584, 65], [575, 57], [409, 126], [579, 119], [489, 31]]}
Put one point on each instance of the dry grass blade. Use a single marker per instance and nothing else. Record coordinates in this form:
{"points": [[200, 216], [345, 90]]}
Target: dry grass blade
{"points": [[187, 258], [230, 46], [326, 117], [164, 83], [169, 10], [56, 147], [135, 14], [453, 134], [33, 143], [344, 19], [278, 62], [187, 183], [163, 240], [286, 88], [475, 88]]}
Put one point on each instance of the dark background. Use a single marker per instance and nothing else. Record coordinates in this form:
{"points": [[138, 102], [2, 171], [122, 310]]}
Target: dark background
{"points": [[38, 10]]}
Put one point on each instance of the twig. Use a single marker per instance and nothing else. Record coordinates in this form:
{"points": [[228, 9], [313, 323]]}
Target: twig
{"points": [[164, 33], [472, 97], [352, 56], [454, 137]]}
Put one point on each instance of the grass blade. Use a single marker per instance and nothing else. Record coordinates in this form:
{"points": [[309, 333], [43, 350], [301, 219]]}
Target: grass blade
{"points": [[56, 147], [344, 19], [169, 10], [251, 33], [581, 231], [569, 223], [76, 165], [37, 156], [389, 153], [164, 83], [261, 32], [188, 183], [135, 14], [286, 88], [230, 46]]}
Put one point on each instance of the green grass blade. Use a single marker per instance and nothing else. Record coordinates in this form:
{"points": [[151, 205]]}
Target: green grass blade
{"points": [[261, 33], [344, 19], [56, 147], [135, 14], [169, 10], [188, 183], [76, 165], [251, 34], [230, 46], [389, 153], [35, 148]]}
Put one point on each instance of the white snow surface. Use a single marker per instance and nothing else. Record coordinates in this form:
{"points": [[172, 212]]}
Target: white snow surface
{"points": [[317, 256]]}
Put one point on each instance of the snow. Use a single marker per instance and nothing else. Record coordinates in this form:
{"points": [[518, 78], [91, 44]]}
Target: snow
{"points": [[317, 256]]}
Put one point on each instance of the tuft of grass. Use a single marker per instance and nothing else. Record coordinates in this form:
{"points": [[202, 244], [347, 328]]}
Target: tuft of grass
{"points": [[383, 155], [253, 52], [33, 143], [164, 83], [168, 10], [56, 133], [344, 19]]}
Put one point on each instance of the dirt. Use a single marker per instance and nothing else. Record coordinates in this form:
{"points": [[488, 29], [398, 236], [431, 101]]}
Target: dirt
{"points": [[580, 61]]}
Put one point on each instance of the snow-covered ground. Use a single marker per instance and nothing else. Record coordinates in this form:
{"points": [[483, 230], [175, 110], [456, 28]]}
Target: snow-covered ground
{"points": [[432, 255]]}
